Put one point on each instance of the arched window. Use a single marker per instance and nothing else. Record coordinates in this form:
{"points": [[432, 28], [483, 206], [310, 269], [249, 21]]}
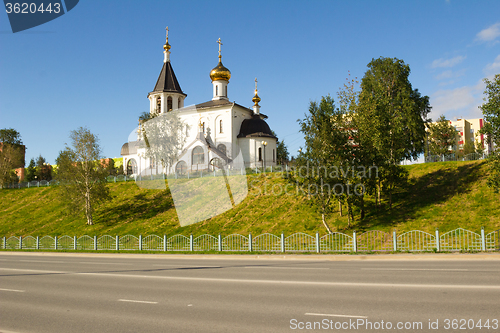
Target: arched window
{"points": [[220, 126], [181, 168], [222, 148], [226, 91], [216, 90], [131, 167], [203, 127], [215, 164], [260, 153], [198, 156], [169, 103], [158, 104]]}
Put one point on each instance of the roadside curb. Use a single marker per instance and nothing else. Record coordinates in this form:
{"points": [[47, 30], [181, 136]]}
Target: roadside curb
{"points": [[317, 257]]}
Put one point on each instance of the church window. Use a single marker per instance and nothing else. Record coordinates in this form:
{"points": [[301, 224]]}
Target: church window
{"points": [[222, 148], [225, 91], [260, 154], [216, 90], [215, 164], [274, 156], [181, 168], [169, 103], [131, 167], [220, 126], [198, 156], [203, 127], [158, 104]]}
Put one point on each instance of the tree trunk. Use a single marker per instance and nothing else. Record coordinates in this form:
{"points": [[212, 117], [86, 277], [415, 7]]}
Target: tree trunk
{"points": [[324, 223], [362, 214], [378, 194], [340, 208]]}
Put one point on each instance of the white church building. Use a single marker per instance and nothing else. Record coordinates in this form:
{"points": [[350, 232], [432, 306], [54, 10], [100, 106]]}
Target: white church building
{"points": [[218, 130]]}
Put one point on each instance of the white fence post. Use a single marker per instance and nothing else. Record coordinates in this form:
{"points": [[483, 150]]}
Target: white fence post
{"points": [[483, 240], [282, 242], [317, 242], [438, 241], [55, 242], [250, 242], [75, 247], [117, 245], [191, 245], [354, 242], [394, 240], [95, 243], [5, 242], [37, 242], [165, 243], [140, 242], [20, 242], [219, 240]]}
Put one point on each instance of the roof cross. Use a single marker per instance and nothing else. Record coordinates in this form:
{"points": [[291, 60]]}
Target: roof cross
{"points": [[255, 84], [167, 32], [220, 44]]}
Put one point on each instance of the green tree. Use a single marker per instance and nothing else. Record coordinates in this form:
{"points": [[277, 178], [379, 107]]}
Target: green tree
{"points": [[491, 113], [43, 169], [81, 173], [469, 147], [11, 155], [441, 137], [392, 116], [322, 165], [31, 171]]}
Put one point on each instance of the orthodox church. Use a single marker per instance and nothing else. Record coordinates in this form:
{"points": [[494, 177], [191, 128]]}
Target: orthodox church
{"points": [[219, 132]]}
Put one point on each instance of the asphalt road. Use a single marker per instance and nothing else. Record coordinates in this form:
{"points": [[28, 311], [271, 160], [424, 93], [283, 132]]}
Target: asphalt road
{"points": [[127, 293]]}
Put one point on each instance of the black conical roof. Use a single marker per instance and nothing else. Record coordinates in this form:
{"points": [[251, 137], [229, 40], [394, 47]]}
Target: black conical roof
{"points": [[167, 80]]}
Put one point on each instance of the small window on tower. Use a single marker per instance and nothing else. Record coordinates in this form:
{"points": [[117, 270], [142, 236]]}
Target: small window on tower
{"points": [[203, 127], [216, 90], [225, 91], [169, 103], [220, 126], [260, 154], [158, 104]]}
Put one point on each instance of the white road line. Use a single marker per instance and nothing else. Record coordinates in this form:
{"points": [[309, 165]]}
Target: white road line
{"points": [[184, 266], [15, 290], [332, 315], [414, 269], [102, 263], [286, 267], [282, 282], [135, 301], [44, 261]]}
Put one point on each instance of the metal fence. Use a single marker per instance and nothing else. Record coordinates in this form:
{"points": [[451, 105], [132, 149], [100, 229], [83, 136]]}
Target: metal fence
{"points": [[455, 157], [370, 241], [152, 176]]}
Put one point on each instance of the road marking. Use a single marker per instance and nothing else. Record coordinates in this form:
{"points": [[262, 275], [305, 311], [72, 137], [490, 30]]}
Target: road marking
{"points": [[183, 266], [286, 267], [15, 290], [333, 315], [282, 282], [102, 263], [44, 261], [414, 269], [135, 301]]}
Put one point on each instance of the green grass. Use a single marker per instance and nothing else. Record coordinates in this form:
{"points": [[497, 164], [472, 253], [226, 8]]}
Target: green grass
{"points": [[447, 195]]}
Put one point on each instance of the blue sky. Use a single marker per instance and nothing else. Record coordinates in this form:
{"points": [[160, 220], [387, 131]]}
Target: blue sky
{"points": [[95, 65]]}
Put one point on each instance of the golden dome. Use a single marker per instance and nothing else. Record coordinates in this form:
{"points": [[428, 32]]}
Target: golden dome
{"points": [[167, 46], [256, 98], [220, 72]]}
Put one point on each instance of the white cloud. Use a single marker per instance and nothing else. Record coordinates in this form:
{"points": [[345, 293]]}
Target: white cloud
{"points": [[449, 74], [489, 34], [447, 62], [494, 68], [459, 102]]}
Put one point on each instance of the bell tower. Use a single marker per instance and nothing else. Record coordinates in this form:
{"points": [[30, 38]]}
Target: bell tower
{"points": [[167, 94]]}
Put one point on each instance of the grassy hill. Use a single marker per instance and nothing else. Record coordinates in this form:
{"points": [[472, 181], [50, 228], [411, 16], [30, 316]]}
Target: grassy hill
{"points": [[445, 195]]}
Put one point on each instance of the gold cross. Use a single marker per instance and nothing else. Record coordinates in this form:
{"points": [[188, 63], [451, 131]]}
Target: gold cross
{"points": [[167, 31], [255, 84], [220, 43]]}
